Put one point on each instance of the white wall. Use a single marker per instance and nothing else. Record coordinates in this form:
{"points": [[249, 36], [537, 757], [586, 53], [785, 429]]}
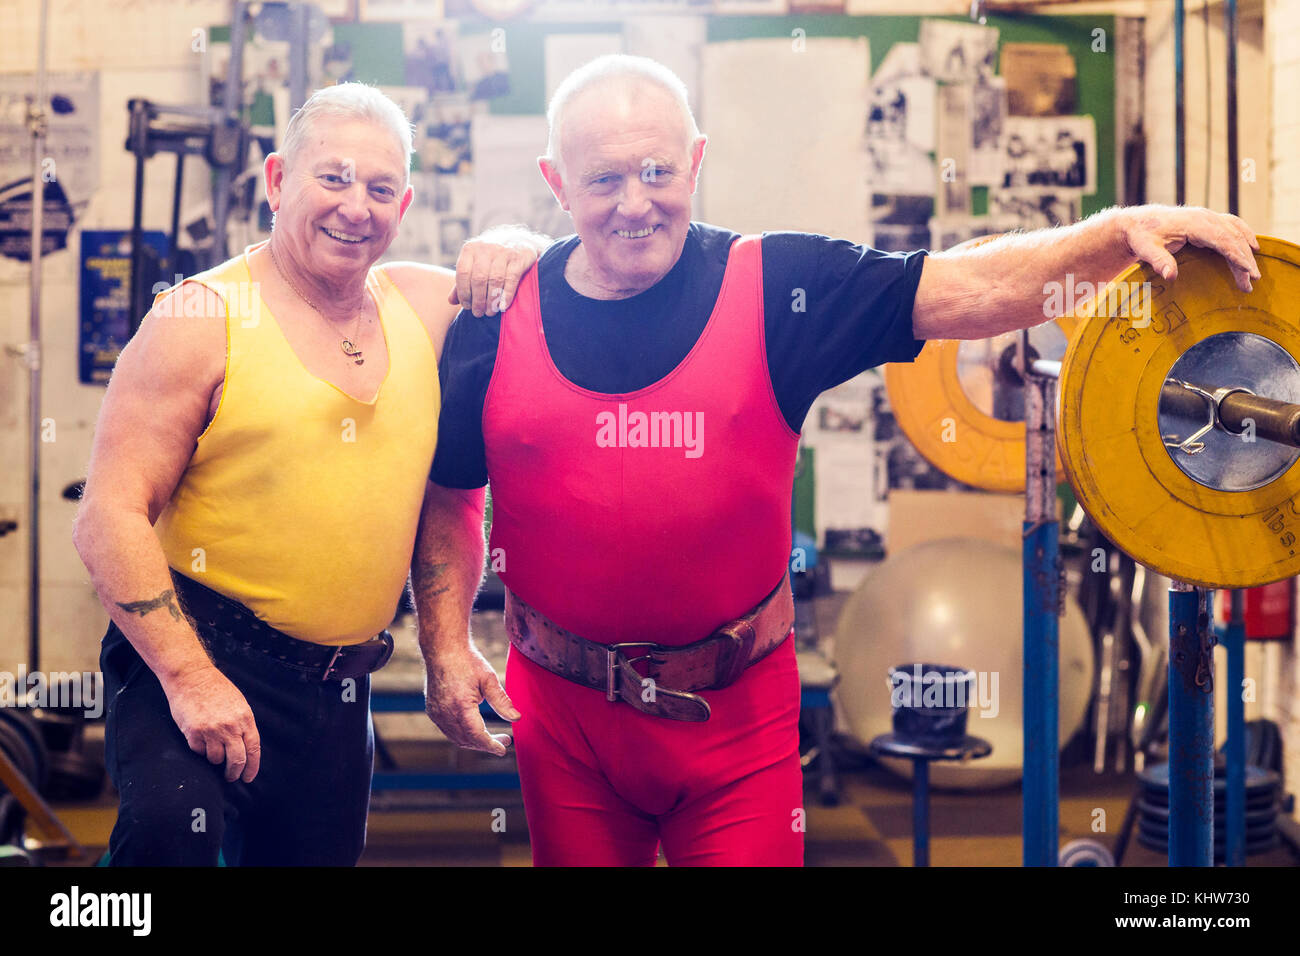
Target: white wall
{"points": [[140, 48]]}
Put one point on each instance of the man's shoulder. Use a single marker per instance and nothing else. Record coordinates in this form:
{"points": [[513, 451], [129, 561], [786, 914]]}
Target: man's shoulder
{"points": [[418, 279], [425, 289], [714, 241]]}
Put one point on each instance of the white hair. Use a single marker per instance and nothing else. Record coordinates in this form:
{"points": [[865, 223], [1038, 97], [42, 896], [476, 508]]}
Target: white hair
{"points": [[625, 74], [348, 101]]}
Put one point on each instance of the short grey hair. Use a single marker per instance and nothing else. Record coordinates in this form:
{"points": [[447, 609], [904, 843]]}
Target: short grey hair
{"points": [[625, 73], [348, 101]]}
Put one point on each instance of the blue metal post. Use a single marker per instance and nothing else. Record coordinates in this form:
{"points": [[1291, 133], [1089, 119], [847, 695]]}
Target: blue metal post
{"points": [[1234, 639], [1042, 597], [1191, 729], [920, 813]]}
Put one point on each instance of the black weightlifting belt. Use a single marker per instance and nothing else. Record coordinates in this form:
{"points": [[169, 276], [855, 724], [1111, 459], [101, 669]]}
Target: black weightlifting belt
{"points": [[654, 678], [217, 617]]}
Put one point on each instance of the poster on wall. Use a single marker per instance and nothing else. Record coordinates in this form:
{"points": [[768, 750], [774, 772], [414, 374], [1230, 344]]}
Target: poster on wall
{"points": [[69, 167], [958, 52], [988, 115], [1040, 78], [1050, 152], [786, 146], [105, 298], [900, 124], [953, 147]]}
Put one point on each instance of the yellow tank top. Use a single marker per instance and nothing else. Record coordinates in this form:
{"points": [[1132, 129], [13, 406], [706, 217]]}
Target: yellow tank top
{"points": [[302, 502]]}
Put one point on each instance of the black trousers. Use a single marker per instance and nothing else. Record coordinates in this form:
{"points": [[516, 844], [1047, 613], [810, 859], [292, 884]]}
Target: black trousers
{"points": [[306, 807]]}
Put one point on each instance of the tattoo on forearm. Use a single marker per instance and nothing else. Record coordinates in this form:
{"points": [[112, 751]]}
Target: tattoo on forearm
{"points": [[165, 600], [425, 579]]}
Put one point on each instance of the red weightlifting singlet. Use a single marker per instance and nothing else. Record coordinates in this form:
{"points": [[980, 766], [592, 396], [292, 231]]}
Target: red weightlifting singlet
{"points": [[654, 515], [618, 540]]}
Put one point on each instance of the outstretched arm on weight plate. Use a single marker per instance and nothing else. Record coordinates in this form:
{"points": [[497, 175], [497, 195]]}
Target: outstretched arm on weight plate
{"points": [[979, 291]]}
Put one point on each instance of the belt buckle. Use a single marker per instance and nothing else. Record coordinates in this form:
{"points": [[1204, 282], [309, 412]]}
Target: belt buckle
{"points": [[383, 636], [611, 665], [329, 668], [734, 653]]}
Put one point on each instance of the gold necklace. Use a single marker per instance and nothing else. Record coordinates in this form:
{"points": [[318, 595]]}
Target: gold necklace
{"points": [[349, 349]]}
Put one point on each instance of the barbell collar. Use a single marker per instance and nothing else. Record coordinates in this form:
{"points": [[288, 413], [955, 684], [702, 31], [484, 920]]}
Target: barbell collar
{"points": [[1274, 420]]}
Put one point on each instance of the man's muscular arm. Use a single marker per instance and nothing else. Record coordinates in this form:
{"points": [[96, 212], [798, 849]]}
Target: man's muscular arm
{"points": [[979, 291], [154, 410], [445, 575]]}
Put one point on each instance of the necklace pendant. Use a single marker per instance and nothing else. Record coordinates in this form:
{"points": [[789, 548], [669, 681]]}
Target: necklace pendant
{"points": [[348, 348]]}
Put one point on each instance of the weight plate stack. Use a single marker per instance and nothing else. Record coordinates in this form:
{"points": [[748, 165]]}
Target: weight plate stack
{"points": [[1262, 792]]}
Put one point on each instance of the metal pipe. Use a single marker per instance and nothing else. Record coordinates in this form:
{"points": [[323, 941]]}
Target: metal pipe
{"points": [[1180, 106], [298, 46], [1041, 598], [1191, 728], [139, 138], [36, 124], [174, 240], [1234, 174], [232, 107], [1235, 803], [920, 812], [1273, 420]]}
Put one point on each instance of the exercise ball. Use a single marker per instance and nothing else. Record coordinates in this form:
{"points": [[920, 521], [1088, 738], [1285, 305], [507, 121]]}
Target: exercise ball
{"points": [[956, 602]]}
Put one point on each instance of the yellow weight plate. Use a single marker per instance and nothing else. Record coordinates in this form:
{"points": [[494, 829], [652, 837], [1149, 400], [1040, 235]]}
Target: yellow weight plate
{"points": [[953, 433], [1109, 438]]}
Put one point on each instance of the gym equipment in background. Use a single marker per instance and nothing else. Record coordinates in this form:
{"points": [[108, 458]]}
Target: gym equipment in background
{"points": [[930, 704], [956, 600]]}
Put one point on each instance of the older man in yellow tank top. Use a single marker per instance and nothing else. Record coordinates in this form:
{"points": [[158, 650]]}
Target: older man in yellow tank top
{"points": [[252, 501]]}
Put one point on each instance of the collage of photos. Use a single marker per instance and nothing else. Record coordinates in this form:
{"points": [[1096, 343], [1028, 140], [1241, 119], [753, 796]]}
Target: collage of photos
{"points": [[943, 119]]}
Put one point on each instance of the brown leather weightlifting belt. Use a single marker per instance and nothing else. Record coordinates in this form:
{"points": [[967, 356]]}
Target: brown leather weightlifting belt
{"points": [[676, 672]]}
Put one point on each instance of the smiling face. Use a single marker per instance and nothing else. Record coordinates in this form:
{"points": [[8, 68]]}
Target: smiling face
{"points": [[339, 199], [626, 175]]}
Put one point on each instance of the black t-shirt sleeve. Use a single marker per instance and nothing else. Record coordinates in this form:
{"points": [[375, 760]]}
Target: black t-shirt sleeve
{"points": [[833, 309], [468, 357]]}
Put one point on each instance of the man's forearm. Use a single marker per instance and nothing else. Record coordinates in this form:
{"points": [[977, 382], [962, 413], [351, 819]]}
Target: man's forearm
{"points": [[447, 566], [131, 577], [983, 290]]}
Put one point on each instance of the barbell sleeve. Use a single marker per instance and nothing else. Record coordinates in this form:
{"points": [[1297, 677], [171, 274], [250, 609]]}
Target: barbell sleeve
{"points": [[1274, 420]]}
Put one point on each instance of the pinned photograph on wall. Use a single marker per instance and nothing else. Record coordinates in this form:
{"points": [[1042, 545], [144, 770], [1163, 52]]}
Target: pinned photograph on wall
{"points": [[452, 195], [445, 145], [1034, 208], [414, 101], [1040, 79], [958, 52], [900, 124], [988, 119], [953, 151], [484, 66], [1050, 152], [430, 51]]}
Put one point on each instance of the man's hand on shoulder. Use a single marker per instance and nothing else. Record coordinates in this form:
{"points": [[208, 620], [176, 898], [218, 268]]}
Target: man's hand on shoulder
{"points": [[485, 281], [490, 267]]}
